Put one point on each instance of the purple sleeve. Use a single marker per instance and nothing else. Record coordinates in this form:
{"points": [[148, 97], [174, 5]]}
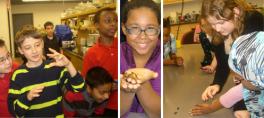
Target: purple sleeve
{"points": [[154, 64], [232, 96]]}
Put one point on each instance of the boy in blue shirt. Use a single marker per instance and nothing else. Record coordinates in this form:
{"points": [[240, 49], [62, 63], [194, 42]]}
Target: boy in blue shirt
{"points": [[169, 46]]}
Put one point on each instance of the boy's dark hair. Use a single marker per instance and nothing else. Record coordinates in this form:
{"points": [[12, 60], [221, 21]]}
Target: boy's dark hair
{"points": [[166, 22], [2, 43], [134, 4], [97, 76], [48, 23], [27, 31], [98, 13]]}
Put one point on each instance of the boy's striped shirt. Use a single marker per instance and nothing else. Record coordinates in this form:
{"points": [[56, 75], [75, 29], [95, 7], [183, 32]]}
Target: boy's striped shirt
{"points": [[49, 103]]}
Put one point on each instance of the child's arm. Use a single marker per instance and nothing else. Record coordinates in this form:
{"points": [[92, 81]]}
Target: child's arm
{"points": [[232, 96], [19, 99], [202, 109], [210, 68], [18, 104], [67, 108], [75, 82], [227, 100], [174, 60]]}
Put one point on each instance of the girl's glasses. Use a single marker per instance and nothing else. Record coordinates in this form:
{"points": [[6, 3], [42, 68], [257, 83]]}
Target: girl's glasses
{"points": [[149, 31]]}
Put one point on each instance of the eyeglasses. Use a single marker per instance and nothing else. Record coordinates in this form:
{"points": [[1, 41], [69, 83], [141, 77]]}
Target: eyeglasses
{"points": [[3, 59], [149, 31]]}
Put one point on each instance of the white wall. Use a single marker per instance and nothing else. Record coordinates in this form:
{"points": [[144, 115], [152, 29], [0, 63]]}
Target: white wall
{"points": [[43, 12], [4, 30], [195, 5]]}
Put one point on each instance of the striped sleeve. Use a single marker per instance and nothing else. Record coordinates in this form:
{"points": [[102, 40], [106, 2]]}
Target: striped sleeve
{"points": [[18, 104], [75, 84]]}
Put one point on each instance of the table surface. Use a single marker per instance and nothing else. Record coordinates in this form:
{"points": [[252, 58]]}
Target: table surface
{"points": [[183, 86]]}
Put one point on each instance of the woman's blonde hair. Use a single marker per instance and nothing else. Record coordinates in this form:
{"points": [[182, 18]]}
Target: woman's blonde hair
{"points": [[205, 26], [225, 9]]}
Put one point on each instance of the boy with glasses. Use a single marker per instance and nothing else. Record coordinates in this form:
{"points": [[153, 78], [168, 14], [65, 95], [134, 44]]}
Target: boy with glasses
{"points": [[6, 69]]}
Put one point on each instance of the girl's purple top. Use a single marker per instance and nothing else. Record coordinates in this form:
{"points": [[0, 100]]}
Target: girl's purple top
{"points": [[154, 63]]}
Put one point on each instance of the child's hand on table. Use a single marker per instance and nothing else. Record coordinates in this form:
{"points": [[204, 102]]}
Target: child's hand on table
{"points": [[210, 92], [201, 109]]}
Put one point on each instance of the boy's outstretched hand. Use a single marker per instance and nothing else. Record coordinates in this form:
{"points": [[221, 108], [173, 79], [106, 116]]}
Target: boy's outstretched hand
{"points": [[60, 59]]}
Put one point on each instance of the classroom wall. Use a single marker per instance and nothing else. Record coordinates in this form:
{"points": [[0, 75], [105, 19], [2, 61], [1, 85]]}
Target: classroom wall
{"points": [[43, 12], [4, 30]]}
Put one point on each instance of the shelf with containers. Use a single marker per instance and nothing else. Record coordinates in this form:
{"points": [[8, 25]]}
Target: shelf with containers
{"points": [[84, 31], [172, 2], [182, 25]]}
